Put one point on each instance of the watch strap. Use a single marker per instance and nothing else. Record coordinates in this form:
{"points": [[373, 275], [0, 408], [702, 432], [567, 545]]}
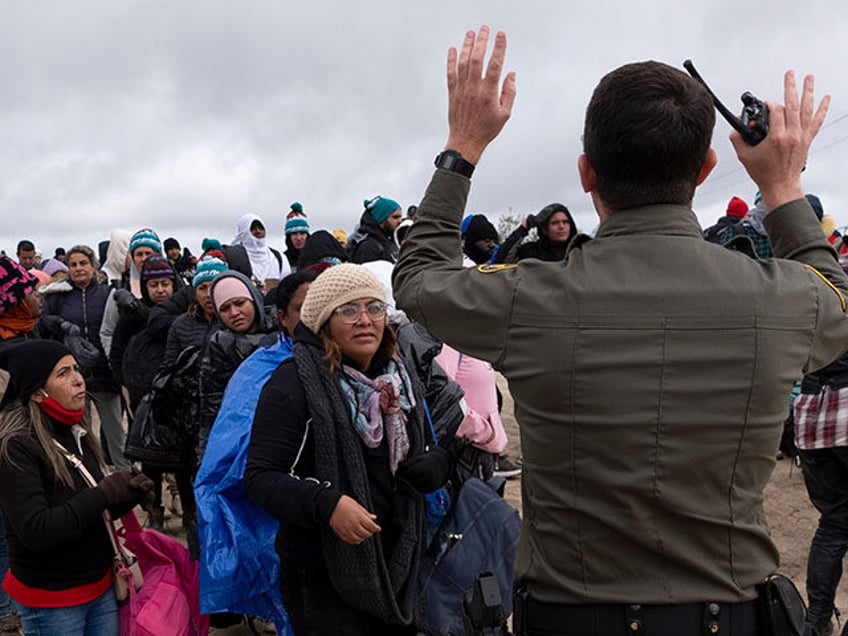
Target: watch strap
{"points": [[453, 161]]}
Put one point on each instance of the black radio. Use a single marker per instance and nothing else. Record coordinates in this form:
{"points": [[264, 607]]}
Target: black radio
{"points": [[752, 124]]}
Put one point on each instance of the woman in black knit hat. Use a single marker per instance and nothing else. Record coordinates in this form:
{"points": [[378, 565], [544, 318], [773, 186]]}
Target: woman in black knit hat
{"points": [[60, 555]]}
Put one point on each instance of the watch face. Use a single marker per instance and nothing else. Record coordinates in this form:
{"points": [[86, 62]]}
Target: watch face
{"points": [[453, 161]]}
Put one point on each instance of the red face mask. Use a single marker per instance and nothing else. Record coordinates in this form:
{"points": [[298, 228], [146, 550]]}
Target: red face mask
{"points": [[59, 413]]}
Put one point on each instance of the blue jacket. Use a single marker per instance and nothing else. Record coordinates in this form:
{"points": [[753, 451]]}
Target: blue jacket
{"points": [[239, 568]]}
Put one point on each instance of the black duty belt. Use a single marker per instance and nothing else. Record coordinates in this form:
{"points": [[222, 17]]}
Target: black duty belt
{"points": [[688, 619]]}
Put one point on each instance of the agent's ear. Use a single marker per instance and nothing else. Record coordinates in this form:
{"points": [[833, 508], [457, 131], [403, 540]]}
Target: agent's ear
{"points": [[38, 396], [710, 162], [587, 173]]}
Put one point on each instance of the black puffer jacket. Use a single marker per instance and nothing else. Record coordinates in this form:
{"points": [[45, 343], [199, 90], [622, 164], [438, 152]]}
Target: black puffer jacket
{"points": [[222, 355], [187, 330], [374, 245], [84, 308]]}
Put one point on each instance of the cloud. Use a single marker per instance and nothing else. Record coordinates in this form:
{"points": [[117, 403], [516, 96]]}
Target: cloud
{"points": [[183, 116]]}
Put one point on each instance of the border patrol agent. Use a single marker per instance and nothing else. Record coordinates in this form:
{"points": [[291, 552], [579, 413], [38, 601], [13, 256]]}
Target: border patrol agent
{"points": [[650, 369]]}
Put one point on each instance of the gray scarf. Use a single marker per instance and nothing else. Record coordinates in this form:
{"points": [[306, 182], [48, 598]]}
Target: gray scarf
{"points": [[378, 584]]}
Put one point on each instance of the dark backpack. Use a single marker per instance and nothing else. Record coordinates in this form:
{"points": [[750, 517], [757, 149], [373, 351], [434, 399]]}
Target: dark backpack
{"points": [[478, 536], [164, 428], [141, 361]]}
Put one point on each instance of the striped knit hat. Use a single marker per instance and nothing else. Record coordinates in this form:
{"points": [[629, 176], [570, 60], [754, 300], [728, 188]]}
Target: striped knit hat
{"points": [[145, 238], [333, 288], [157, 266], [207, 269], [297, 223]]}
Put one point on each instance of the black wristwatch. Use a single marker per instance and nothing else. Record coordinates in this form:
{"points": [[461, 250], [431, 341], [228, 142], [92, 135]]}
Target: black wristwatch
{"points": [[453, 161]]}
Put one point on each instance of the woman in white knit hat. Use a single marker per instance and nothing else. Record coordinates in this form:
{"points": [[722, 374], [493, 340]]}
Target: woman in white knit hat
{"points": [[339, 455]]}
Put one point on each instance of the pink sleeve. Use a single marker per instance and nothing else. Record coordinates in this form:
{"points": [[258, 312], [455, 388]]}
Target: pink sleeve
{"points": [[482, 424]]}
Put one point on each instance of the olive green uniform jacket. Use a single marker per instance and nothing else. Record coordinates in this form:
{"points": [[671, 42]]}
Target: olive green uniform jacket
{"points": [[650, 372]]}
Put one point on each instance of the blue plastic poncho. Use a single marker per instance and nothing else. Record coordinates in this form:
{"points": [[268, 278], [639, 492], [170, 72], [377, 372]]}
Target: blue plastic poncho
{"points": [[239, 568]]}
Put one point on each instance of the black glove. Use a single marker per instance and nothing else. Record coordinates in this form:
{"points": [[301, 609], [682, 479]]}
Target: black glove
{"points": [[125, 300], [126, 488], [85, 353], [70, 329], [426, 472], [117, 489], [144, 486], [53, 324]]}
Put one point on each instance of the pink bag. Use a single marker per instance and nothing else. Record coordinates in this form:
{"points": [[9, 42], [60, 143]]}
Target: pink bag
{"points": [[168, 602]]}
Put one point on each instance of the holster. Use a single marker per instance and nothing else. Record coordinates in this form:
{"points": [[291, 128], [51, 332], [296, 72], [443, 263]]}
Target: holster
{"points": [[782, 609], [519, 611]]}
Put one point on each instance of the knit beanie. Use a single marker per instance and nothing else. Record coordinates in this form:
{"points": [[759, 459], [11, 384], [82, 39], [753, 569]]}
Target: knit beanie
{"points": [[321, 247], [157, 266], [15, 283], [210, 244], [479, 227], [297, 223], [54, 266], [296, 208], [229, 287], [828, 224], [380, 208], [463, 228], [207, 269], [333, 288], [737, 207], [145, 238], [29, 364], [341, 236]]}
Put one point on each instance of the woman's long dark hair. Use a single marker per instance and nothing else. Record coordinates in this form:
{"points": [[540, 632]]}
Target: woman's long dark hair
{"points": [[27, 420]]}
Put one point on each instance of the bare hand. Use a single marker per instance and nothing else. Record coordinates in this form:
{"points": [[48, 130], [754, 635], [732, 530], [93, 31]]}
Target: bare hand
{"points": [[351, 522], [775, 164], [478, 107]]}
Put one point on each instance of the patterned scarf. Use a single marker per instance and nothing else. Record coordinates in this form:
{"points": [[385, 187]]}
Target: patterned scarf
{"points": [[378, 407]]}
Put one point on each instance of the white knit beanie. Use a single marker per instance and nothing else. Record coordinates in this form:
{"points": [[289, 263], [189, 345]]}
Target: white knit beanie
{"points": [[333, 288]]}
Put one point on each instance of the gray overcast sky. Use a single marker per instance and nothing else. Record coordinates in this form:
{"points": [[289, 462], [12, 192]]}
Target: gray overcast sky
{"points": [[182, 116]]}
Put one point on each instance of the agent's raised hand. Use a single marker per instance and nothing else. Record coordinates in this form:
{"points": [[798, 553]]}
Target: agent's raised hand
{"points": [[478, 106], [776, 163]]}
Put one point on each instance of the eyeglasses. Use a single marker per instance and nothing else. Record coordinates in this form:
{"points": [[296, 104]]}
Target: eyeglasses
{"points": [[376, 311]]}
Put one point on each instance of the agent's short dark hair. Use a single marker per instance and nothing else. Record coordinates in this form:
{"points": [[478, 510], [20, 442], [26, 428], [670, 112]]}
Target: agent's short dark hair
{"points": [[647, 132], [25, 246]]}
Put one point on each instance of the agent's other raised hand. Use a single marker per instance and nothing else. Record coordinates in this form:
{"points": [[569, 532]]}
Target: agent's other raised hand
{"points": [[776, 163], [478, 106]]}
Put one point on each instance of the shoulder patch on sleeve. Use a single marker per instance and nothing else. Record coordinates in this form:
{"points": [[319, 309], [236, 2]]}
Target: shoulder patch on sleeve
{"points": [[491, 269], [829, 284]]}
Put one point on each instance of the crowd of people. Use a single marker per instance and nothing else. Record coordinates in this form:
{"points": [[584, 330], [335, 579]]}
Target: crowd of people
{"points": [[224, 322], [650, 370]]}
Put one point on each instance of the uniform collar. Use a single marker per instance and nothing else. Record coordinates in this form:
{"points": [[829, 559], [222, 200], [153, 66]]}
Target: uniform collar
{"points": [[665, 219]]}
